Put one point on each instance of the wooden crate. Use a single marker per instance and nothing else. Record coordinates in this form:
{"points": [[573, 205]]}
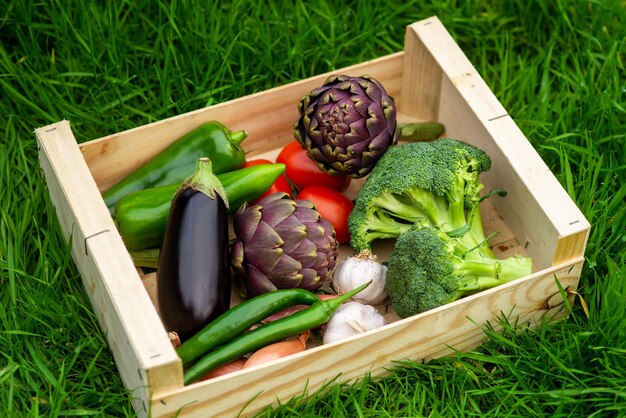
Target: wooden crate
{"points": [[430, 80]]}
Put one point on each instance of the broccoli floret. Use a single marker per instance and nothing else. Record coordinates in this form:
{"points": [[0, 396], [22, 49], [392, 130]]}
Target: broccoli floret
{"points": [[427, 268], [436, 181]]}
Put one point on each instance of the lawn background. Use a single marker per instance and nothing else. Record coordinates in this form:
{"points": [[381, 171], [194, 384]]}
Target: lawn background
{"points": [[556, 66]]}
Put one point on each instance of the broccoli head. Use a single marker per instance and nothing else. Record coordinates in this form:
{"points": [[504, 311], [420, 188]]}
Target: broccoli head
{"points": [[427, 268], [436, 181]]}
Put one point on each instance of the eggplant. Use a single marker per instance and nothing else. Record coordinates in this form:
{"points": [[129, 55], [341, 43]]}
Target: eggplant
{"points": [[193, 270]]}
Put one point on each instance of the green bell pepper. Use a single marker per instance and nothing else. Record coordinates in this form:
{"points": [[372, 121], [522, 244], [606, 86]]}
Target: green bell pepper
{"points": [[141, 216], [174, 163]]}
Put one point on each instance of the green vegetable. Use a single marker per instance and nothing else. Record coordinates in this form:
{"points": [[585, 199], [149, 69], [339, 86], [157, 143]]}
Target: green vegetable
{"points": [[428, 268], [436, 181], [146, 258], [141, 216], [419, 131], [317, 314], [240, 318], [174, 163]]}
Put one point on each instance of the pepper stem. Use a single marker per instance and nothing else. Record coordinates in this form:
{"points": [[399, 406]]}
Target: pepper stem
{"points": [[334, 304], [205, 181], [238, 137]]}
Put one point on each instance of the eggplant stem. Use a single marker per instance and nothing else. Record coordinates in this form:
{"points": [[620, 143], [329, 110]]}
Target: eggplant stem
{"points": [[205, 181]]}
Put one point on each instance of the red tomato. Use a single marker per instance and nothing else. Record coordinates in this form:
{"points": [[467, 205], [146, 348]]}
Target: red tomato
{"points": [[332, 206], [280, 185], [303, 172]]}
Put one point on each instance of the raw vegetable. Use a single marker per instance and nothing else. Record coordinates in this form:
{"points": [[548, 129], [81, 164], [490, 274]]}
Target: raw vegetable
{"points": [[278, 350], [281, 184], [141, 216], [193, 273], [233, 366], [352, 318], [239, 319], [356, 270], [347, 124], [437, 181], [428, 268], [317, 314], [146, 258], [293, 309], [174, 163], [303, 172], [333, 206], [419, 131], [282, 243]]}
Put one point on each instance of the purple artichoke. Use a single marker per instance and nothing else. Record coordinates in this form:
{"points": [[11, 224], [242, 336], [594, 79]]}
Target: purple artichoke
{"points": [[282, 243], [347, 124]]}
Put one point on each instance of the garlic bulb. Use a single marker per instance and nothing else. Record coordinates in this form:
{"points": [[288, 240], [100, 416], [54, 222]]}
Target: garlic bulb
{"points": [[352, 318], [359, 269]]}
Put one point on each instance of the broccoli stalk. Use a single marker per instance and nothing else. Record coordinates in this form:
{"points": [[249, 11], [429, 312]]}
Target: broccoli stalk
{"points": [[435, 181], [384, 227], [428, 268]]}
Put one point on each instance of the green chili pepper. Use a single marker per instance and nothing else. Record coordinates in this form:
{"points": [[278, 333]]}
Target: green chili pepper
{"points": [[240, 318], [141, 216], [317, 314], [174, 163]]}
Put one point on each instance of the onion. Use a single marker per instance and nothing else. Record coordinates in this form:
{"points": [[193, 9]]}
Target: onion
{"points": [[233, 366], [278, 350]]}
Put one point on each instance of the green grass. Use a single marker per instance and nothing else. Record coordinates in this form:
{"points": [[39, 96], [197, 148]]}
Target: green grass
{"points": [[557, 66]]}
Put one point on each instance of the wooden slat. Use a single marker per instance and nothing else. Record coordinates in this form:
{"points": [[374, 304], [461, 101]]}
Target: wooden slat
{"points": [[439, 50], [430, 335], [543, 212], [421, 76], [142, 351]]}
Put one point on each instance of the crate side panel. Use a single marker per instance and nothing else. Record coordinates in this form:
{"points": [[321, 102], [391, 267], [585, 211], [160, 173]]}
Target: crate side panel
{"points": [[537, 203], [465, 103], [547, 193], [74, 232], [58, 167], [129, 365], [442, 51], [421, 77], [537, 209], [268, 117], [110, 279], [521, 212], [433, 334], [140, 329]]}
